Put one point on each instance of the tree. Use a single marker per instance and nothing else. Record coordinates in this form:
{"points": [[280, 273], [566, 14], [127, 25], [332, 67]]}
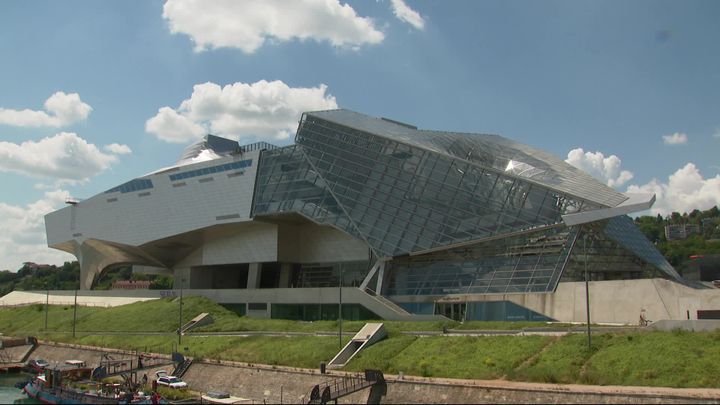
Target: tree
{"points": [[162, 283], [675, 218]]}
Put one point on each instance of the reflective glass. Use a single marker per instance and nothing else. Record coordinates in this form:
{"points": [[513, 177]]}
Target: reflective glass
{"points": [[447, 201], [527, 263], [489, 151], [616, 249]]}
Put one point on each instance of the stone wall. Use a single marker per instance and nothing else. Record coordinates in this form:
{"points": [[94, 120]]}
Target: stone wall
{"points": [[268, 383]]}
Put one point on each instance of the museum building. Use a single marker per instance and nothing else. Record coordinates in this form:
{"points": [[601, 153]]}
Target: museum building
{"points": [[414, 224]]}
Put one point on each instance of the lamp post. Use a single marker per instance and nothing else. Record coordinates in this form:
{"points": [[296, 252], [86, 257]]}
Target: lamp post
{"points": [[182, 281], [340, 307], [587, 291], [47, 302], [75, 314]]}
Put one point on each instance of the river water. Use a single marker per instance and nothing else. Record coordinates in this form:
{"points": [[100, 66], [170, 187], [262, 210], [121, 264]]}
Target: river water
{"points": [[11, 395]]}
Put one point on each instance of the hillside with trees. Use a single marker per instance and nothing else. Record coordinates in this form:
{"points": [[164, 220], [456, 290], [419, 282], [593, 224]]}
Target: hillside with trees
{"points": [[677, 252], [33, 276]]}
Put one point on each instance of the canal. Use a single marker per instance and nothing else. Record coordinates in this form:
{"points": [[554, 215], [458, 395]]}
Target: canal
{"points": [[11, 395]]}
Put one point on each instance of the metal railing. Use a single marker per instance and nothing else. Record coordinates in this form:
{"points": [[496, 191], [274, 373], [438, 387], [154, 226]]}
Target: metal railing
{"points": [[339, 387]]}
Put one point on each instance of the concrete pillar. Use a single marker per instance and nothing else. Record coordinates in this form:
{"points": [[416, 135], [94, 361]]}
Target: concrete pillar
{"points": [[181, 273], [87, 274], [285, 273], [253, 281]]}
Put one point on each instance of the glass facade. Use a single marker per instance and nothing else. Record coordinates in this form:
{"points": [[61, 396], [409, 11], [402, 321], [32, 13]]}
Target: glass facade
{"points": [[451, 213], [490, 151], [240, 164], [321, 312], [501, 311], [309, 275], [616, 249], [132, 185], [397, 198], [622, 230], [528, 263], [287, 183]]}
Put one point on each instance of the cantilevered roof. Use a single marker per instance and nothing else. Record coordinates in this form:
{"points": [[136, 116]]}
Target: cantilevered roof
{"points": [[488, 151]]}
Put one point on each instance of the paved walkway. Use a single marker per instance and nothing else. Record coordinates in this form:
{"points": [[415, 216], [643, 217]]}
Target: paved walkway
{"points": [[67, 298], [700, 393]]}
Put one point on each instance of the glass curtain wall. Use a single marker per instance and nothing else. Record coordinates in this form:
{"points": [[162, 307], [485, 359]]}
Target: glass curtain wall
{"points": [[527, 263], [287, 183], [402, 198], [616, 249], [405, 199]]}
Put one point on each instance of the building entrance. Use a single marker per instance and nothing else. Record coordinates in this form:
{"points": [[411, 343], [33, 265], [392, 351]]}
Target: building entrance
{"points": [[452, 310]]}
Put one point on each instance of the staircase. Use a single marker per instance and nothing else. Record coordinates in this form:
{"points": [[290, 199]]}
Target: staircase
{"points": [[339, 387], [182, 368]]}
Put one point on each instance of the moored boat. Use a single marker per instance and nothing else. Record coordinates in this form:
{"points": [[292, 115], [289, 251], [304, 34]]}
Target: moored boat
{"points": [[51, 388]]}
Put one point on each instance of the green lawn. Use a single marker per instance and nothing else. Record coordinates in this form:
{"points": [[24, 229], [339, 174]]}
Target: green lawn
{"points": [[485, 357], [672, 359], [162, 315]]}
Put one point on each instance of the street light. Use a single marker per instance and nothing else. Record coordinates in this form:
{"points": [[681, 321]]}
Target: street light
{"points": [[182, 281], [587, 290], [340, 306], [75, 314], [47, 302]]}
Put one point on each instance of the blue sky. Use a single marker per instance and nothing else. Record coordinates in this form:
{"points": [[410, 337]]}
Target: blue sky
{"points": [[611, 77]]}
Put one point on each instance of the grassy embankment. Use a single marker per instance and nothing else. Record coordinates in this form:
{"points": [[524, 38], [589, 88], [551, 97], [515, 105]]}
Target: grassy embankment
{"points": [[673, 359]]}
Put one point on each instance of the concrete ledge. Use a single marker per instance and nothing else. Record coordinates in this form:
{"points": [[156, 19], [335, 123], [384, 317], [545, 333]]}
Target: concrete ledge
{"points": [[692, 325]]}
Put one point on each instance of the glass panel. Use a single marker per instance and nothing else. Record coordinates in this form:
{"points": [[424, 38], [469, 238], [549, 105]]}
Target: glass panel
{"points": [[616, 249], [531, 262]]}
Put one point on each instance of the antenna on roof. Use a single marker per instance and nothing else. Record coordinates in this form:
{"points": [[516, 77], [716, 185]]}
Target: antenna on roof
{"points": [[72, 200]]}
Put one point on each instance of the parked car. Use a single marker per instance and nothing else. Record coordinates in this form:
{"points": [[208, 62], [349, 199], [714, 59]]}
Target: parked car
{"points": [[169, 380], [75, 363], [38, 364]]}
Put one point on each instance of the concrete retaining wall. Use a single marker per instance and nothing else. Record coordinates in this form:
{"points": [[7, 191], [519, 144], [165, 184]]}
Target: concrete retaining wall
{"points": [[612, 301], [696, 325], [267, 383]]}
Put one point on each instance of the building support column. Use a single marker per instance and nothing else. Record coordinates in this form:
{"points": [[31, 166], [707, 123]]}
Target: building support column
{"points": [[285, 273], [253, 281], [183, 273]]}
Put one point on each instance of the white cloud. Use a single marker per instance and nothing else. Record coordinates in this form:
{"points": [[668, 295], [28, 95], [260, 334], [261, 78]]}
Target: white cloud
{"points": [[23, 237], [247, 112], [60, 110], [170, 126], [117, 149], [684, 191], [63, 156], [249, 24], [406, 14], [678, 138], [606, 169]]}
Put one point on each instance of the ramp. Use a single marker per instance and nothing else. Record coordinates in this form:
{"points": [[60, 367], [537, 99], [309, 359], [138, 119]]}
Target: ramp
{"points": [[200, 320], [369, 334]]}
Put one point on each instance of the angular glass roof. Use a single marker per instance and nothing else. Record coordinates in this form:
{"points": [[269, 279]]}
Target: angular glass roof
{"points": [[488, 151]]}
